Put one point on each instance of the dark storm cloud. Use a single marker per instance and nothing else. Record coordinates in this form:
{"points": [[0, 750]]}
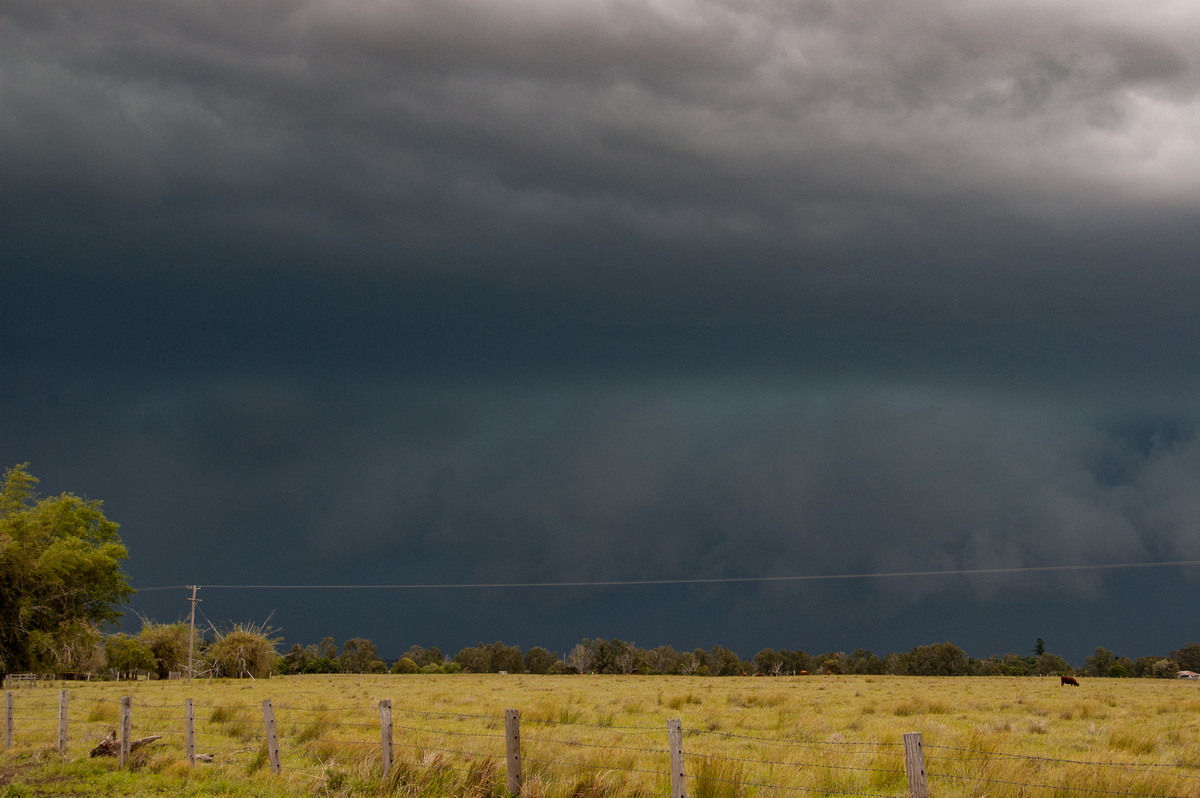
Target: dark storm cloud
{"points": [[780, 130], [609, 289]]}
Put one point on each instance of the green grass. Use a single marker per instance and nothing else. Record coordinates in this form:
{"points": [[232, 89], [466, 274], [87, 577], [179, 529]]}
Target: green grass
{"points": [[605, 737]]}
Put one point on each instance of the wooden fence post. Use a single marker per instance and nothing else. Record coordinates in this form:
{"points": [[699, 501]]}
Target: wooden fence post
{"points": [[8, 720], [272, 738], [512, 748], [189, 730], [385, 736], [914, 765], [675, 741], [126, 727], [62, 723]]}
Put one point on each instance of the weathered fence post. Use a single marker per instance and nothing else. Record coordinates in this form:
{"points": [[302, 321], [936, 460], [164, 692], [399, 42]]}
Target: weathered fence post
{"points": [[385, 736], [189, 730], [272, 738], [126, 727], [8, 719], [62, 723], [675, 741], [914, 765], [512, 748]]}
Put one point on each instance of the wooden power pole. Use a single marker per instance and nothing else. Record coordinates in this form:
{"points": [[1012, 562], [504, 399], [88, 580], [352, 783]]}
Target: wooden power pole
{"points": [[192, 628]]}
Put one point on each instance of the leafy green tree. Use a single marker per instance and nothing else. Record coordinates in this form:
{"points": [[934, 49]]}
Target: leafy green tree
{"points": [[1016, 665], [939, 659], [1163, 669], [169, 643], [296, 659], [126, 655], [425, 656], [1100, 663], [795, 661], [896, 663], [60, 570], [359, 655], [864, 661], [405, 665], [539, 660], [77, 647], [1188, 657], [1051, 665], [627, 658], [768, 661], [600, 653], [724, 662], [319, 658], [475, 659], [663, 660], [506, 658]]}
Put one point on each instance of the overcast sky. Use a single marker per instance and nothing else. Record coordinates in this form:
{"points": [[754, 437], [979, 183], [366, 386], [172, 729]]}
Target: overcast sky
{"points": [[345, 292]]}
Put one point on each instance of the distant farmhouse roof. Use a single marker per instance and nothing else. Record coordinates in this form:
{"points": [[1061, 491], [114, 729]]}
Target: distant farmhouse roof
{"points": [[1189, 675]]}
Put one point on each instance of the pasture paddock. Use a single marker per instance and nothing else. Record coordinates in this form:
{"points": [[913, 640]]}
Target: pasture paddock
{"points": [[595, 737]]}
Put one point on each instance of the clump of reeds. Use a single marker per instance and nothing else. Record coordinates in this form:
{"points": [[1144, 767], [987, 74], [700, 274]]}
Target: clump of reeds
{"points": [[919, 705], [103, 712], [319, 726], [717, 777]]}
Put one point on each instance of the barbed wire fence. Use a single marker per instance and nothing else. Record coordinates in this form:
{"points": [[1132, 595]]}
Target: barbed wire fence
{"points": [[541, 755]]}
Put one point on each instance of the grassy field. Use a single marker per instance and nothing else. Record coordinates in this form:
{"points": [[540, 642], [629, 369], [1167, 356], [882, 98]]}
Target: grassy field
{"points": [[602, 737]]}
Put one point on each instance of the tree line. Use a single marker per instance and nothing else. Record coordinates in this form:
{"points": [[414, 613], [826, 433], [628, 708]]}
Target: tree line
{"points": [[601, 656], [248, 650], [61, 584]]}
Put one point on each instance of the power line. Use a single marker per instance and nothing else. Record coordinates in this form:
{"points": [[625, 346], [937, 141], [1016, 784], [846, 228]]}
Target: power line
{"points": [[702, 580]]}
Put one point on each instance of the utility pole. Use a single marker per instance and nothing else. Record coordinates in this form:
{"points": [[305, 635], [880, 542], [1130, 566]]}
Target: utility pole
{"points": [[192, 628]]}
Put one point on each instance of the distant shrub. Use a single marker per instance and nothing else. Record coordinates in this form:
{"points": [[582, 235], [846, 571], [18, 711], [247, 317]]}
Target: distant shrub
{"points": [[405, 665]]}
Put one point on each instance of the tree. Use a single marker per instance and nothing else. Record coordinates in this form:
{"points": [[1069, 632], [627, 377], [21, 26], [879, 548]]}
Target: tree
{"points": [[539, 660], [425, 656], [938, 659], [169, 643], [663, 659], [506, 658], [319, 658], [78, 647], [864, 661], [126, 655], [1188, 657], [1157, 668], [405, 665], [795, 661], [768, 661], [359, 655], [60, 570], [726, 663], [296, 659], [580, 658], [1100, 663], [627, 658], [1050, 665]]}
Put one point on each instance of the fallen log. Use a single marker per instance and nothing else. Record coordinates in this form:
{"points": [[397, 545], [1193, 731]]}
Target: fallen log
{"points": [[111, 746]]}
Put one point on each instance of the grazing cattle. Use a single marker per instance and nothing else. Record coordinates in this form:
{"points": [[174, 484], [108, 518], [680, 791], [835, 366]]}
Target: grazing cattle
{"points": [[1068, 680]]}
